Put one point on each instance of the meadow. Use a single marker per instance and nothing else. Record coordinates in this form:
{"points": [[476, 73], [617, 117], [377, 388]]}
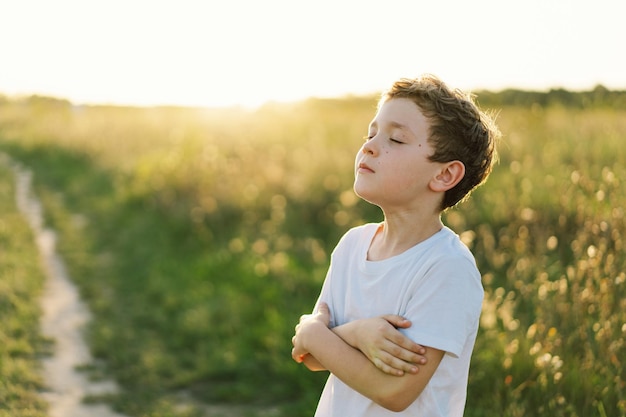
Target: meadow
{"points": [[199, 236], [21, 280]]}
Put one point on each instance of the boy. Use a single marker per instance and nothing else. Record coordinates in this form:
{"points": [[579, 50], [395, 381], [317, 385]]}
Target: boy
{"points": [[409, 279]]}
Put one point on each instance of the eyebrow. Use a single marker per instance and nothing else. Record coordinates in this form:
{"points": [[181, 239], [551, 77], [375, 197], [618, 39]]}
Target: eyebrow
{"points": [[400, 126], [396, 125], [393, 124]]}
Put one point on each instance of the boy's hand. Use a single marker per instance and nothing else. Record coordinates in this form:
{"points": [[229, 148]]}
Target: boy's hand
{"points": [[306, 327], [380, 341]]}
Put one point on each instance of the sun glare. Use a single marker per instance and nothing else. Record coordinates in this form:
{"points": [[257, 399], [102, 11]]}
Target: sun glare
{"points": [[246, 53]]}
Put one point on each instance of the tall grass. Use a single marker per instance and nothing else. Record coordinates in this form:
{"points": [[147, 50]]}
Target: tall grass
{"points": [[555, 268], [21, 280], [199, 236]]}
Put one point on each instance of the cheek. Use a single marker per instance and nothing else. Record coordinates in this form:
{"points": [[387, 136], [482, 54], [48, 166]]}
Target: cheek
{"points": [[403, 175]]}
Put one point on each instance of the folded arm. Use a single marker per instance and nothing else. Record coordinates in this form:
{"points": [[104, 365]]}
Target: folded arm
{"points": [[379, 339], [316, 344]]}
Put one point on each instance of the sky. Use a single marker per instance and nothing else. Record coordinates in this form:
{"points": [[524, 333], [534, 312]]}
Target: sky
{"points": [[247, 52]]}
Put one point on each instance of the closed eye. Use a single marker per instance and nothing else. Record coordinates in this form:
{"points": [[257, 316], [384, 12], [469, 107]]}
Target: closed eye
{"points": [[370, 137]]}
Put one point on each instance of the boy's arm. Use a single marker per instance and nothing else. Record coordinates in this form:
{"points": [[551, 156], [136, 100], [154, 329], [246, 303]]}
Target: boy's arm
{"points": [[353, 368], [379, 339]]}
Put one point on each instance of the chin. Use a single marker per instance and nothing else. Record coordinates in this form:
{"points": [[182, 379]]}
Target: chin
{"points": [[364, 195]]}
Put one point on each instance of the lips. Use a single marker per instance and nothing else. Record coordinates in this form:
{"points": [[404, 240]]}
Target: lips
{"points": [[363, 167]]}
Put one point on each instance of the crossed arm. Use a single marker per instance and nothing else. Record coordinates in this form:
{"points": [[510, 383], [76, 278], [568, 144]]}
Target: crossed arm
{"points": [[368, 355]]}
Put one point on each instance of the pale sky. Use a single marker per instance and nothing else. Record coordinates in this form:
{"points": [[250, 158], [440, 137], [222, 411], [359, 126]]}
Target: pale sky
{"points": [[215, 53]]}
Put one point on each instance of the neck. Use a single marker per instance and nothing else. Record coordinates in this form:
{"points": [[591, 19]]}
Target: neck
{"points": [[399, 233]]}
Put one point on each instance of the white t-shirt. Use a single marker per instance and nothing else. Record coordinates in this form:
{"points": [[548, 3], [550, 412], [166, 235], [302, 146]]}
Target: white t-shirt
{"points": [[436, 285]]}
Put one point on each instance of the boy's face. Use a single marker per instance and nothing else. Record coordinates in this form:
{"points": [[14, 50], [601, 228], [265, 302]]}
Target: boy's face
{"points": [[392, 167]]}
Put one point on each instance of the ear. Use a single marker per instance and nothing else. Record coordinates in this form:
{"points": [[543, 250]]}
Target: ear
{"points": [[450, 174]]}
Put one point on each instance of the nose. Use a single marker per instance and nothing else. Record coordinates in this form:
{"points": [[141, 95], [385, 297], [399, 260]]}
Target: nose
{"points": [[369, 147]]}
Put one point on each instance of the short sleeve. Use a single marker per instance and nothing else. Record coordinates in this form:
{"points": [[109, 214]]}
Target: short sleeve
{"points": [[444, 306]]}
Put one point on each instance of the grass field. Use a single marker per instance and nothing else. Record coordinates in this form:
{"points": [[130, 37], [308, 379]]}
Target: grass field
{"points": [[198, 237], [21, 280]]}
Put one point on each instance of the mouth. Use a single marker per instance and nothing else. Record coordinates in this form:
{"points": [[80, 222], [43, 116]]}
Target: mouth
{"points": [[363, 167]]}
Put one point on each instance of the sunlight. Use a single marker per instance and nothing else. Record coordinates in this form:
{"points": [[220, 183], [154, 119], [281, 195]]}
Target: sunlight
{"points": [[243, 52]]}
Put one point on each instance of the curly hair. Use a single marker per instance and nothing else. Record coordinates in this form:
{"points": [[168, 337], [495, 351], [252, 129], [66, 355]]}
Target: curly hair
{"points": [[459, 130]]}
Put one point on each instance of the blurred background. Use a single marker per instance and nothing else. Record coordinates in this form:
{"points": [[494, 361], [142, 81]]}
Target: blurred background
{"points": [[195, 158], [216, 53]]}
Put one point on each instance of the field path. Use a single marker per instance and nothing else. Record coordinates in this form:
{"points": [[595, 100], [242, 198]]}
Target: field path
{"points": [[63, 319]]}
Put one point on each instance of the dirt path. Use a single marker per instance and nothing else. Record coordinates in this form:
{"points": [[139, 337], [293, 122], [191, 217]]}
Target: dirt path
{"points": [[63, 320], [64, 317]]}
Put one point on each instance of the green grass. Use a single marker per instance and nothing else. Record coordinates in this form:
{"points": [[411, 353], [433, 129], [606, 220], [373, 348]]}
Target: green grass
{"points": [[21, 279], [199, 237]]}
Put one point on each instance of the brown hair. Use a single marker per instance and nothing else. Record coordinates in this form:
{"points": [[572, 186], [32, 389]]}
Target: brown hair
{"points": [[459, 130]]}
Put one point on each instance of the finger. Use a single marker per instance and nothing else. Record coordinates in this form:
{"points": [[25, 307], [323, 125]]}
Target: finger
{"points": [[322, 308], [297, 355], [324, 311], [399, 364], [403, 341], [404, 354], [386, 368], [397, 321]]}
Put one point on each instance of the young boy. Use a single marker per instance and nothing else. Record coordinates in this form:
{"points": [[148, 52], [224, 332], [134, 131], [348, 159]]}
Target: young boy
{"points": [[409, 279]]}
